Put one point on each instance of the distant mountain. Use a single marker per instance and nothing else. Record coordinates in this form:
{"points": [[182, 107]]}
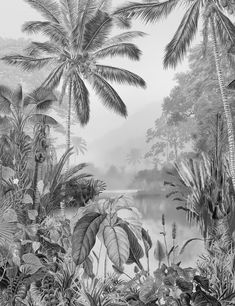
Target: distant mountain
{"points": [[113, 147]]}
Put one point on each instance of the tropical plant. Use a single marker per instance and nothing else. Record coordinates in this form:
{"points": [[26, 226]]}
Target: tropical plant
{"points": [[205, 188], [78, 33], [121, 236], [215, 22], [72, 187]]}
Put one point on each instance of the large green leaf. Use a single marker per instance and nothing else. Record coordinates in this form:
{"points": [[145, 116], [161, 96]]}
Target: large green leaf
{"points": [[84, 236], [136, 251], [117, 244]]}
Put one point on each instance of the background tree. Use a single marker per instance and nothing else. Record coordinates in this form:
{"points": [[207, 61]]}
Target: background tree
{"points": [[134, 157], [215, 23], [196, 97], [168, 137]]}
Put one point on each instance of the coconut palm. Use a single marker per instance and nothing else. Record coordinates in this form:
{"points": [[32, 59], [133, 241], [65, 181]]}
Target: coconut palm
{"points": [[215, 22], [78, 33]]}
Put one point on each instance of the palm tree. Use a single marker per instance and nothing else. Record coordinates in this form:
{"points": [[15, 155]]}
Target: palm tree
{"points": [[134, 157], [214, 21], [78, 33]]}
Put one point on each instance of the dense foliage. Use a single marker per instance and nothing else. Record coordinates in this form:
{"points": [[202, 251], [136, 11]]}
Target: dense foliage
{"points": [[100, 256]]}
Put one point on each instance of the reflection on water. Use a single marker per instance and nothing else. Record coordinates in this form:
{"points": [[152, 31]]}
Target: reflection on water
{"points": [[151, 208]]}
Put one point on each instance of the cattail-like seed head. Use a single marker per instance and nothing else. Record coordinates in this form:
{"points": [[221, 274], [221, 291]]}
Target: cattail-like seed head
{"points": [[163, 219], [174, 230]]}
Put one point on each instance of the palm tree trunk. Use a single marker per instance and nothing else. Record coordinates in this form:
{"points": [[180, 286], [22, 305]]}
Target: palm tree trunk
{"points": [[1, 187], [227, 109], [68, 141]]}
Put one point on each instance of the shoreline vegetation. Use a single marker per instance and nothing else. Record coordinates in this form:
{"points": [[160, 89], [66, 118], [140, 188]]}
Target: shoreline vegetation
{"points": [[104, 253]]}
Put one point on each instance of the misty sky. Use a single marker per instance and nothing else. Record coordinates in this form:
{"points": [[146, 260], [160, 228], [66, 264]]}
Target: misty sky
{"points": [[159, 82]]}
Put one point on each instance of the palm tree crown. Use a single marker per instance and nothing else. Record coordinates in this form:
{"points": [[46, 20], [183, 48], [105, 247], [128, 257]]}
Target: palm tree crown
{"points": [[78, 33], [152, 11]]}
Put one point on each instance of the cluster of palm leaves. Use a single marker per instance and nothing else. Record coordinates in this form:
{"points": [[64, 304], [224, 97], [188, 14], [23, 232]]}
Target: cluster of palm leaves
{"points": [[78, 35]]}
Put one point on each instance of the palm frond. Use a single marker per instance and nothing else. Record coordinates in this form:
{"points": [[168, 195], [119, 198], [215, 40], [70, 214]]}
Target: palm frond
{"points": [[108, 95], [17, 97], [177, 48], [48, 8], [149, 11], [54, 176], [35, 48], [54, 77], [124, 37], [86, 10], [205, 34], [27, 63], [41, 97], [54, 31], [69, 11], [123, 49], [46, 119], [73, 172], [224, 26], [97, 30], [81, 100], [121, 76]]}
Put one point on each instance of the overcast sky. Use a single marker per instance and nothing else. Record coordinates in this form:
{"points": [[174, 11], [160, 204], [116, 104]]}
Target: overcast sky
{"points": [[159, 81]]}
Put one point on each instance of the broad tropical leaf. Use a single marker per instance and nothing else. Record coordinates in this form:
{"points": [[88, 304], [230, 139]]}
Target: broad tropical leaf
{"points": [[136, 251], [117, 244], [84, 236]]}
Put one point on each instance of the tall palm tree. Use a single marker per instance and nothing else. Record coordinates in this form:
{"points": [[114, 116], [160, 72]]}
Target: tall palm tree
{"points": [[215, 22], [79, 36]]}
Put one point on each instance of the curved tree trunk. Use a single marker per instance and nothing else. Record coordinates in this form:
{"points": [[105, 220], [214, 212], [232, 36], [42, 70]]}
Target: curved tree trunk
{"points": [[227, 109]]}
